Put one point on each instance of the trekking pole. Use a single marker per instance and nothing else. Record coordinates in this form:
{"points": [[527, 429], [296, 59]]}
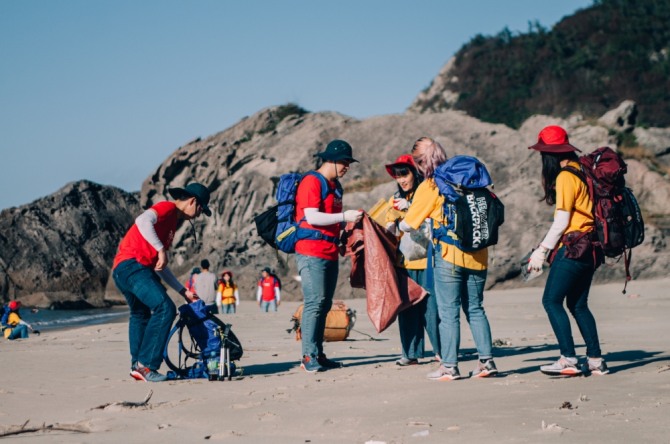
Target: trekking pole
{"points": [[230, 373], [221, 356]]}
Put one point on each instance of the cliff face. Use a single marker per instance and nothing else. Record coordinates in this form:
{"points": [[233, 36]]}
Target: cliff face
{"points": [[57, 251], [241, 165]]}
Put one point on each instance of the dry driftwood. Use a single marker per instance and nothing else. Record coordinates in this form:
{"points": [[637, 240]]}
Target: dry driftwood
{"points": [[127, 404], [17, 430]]}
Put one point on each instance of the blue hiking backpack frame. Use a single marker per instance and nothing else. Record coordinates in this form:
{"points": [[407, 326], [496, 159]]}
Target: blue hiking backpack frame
{"points": [[277, 225], [472, 211]]}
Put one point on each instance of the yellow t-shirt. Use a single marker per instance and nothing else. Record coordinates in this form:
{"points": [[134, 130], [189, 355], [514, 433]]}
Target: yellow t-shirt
{"points": [[392, 216], [428, 202], [227, 293], [12, 321], [573, 196]]}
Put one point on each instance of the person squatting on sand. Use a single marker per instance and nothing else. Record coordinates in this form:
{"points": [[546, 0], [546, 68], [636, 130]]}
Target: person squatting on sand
{"points": [[569, 279], [139, 265], [205, 286], [459, 276], [317, 259], [13, 327], [268, 292], [413, 320], [227, 296]]}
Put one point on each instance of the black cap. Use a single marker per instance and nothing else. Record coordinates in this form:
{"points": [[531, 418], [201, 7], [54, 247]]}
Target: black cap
{"points": [[337, 150], [195, 189]]}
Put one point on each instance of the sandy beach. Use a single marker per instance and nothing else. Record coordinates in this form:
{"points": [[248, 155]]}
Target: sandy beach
{"points": [[80, 377]]}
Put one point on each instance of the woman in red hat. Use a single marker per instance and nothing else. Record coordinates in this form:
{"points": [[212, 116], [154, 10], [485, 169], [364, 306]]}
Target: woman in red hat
{"points": [[227, 296], [569, 277], [414, 320], [459, 276], [13, 327]]}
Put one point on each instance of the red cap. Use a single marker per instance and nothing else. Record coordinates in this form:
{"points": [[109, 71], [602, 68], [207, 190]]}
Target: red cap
{"points": [[229, 273], [14, 305], [553, 139], [404, 160]]}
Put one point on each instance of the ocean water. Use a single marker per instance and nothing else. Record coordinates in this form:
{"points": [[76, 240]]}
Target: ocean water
{"points": [[45, 320]]}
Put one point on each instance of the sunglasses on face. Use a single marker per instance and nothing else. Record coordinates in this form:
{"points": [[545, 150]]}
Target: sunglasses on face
{"points": [[400, 172]]}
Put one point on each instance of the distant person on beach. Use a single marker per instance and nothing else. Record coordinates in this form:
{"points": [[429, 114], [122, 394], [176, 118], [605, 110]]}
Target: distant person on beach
{"points": [[138, 267], [459, 276], [13, 327], [569, 277], [317, 259], [206, 286], [227, 296], [413, 320], [268, 292], [190, 282]]}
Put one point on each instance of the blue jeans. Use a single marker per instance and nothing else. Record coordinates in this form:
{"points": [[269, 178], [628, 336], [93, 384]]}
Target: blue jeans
{"points": [[20, 331], [228, 308], [151, 311], [569, 280], [318, 279], [268, 305], [413, 320], [456, 286]]}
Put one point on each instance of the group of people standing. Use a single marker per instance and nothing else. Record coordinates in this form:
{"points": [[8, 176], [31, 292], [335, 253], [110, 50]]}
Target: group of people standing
{"points": [[458, 277], [457, 280]]}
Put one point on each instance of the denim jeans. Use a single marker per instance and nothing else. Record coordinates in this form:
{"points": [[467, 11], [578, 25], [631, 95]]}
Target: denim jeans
{"points": [[455, 287], [151, 311], [18, 332], [228, 308], [413, 320], [268, 305], [318, 279], [569, 280]]}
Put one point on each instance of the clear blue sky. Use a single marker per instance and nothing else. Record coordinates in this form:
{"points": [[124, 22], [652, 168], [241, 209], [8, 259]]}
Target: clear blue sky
{"points": [[106, 90]]}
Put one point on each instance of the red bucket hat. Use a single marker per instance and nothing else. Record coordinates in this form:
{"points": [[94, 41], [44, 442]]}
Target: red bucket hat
{"points": [[14, 305], [404, 160], [553, 139]]}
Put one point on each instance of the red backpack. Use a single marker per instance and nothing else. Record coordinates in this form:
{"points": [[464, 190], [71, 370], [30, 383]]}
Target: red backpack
{"points": [[618, 220]]}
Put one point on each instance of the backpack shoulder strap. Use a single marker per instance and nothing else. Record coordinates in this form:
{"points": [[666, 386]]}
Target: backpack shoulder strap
{"points": [[325, 189], [579, 172]]}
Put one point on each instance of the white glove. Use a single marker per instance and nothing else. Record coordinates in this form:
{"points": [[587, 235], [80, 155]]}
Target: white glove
{"points": [[400, 204], [353, 215], [538, 258]]}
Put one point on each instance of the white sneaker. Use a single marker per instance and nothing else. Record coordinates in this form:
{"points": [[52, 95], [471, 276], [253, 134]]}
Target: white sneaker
{"points": [[444, 373], [564, 366]]}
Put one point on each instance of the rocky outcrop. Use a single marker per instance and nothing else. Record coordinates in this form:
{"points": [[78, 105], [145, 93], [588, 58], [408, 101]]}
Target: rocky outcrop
{"points": [[57, 251], [241, 165]]}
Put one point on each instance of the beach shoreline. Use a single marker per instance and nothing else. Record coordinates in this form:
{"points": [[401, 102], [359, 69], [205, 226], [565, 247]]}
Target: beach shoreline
{"points": [[76, 376]]}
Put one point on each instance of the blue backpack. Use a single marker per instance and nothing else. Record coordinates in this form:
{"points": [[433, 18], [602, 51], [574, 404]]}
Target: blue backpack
{"points": [[202, 338], [277, 225], [473, 212]]}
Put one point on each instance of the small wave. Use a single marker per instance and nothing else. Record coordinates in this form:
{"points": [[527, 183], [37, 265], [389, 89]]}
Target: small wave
{"points": [[53, 319]]}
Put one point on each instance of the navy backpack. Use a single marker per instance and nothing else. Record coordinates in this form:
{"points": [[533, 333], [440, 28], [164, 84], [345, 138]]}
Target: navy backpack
{"points": [[277, 225], [473, 212]]}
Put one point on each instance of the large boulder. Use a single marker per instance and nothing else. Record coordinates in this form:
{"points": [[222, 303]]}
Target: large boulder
{"points": [[241, 166], [57, 251]]}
